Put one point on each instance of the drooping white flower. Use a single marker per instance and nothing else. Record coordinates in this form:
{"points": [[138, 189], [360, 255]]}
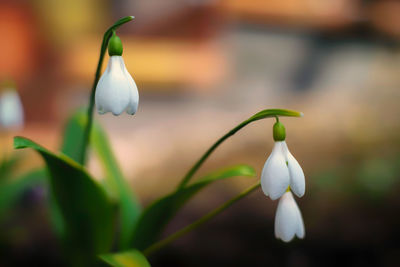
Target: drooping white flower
{"points": [[281, 169], [275, 177], [116, 90], [288, 220], [11, 110]]}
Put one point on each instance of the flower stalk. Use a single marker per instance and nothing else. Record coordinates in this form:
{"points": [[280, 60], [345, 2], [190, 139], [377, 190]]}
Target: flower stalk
{"points": [[169, 239], [103, 50], [267, 113]]}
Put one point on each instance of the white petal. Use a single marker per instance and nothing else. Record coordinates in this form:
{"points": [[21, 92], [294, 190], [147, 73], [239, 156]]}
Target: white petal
{"points": [[114, 88], [134, 96], [275, 174], [297, 181], [11, 111], [288, 220], [300, 231]]}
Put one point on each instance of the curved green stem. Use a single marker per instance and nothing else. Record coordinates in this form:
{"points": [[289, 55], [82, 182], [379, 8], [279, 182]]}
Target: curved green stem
{"points": [[169, 239], [267, 113], [103, 49]]}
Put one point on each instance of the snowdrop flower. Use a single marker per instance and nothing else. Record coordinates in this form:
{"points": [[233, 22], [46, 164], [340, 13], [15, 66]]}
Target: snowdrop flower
{"points": [[281, 169], [11, 111], [116, 90], [288, 219]]}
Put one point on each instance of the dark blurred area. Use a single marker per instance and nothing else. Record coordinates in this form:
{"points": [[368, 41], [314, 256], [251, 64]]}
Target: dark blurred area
{"points": [[201, 68]]}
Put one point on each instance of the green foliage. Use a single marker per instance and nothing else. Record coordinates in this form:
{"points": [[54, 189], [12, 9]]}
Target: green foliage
{"points": [[377, 176], [131, 258], [12, 189], [84, 205], [7, 165], [157, 215], [268, 113], [129, 207], [73, 136], [115, 183]]}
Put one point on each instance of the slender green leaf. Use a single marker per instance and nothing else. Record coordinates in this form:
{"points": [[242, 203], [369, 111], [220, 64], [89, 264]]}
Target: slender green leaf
{"points": [[129, 207], [158, 214], [12, 189], [73, 136], [268, 113], [85, 208], [131, 258], [171, 238], [115, 183]]}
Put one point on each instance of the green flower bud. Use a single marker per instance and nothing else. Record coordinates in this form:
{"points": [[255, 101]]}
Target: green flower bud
{"points": [[114, 46], [279, 132]]}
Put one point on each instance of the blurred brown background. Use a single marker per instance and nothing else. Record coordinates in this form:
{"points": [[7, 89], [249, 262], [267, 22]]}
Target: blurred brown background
{"points": [[201, 68]]}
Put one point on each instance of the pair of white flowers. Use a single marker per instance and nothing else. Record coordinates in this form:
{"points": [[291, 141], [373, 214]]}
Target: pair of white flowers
{"points": [[116, 91], [281, 175]]}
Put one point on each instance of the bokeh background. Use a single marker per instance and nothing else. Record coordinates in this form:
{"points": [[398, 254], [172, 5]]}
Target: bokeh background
{"points": [[203, 66]]}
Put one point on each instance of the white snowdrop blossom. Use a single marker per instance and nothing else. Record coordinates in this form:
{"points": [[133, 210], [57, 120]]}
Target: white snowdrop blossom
{"points": [[11, 110], [288, 220], [116, 90], [280, 171]]}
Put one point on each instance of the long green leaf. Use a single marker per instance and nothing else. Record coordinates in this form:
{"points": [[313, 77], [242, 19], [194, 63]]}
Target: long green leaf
{"points": [[157, 215], [12, 189], [171, 238], [73, 136], [85, 208], [116, 185], [266, 113], [129, 207], [131, 258]]}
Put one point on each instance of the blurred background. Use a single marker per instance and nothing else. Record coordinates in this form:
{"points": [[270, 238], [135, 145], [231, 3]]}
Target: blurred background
{"points": [[202, 67]]}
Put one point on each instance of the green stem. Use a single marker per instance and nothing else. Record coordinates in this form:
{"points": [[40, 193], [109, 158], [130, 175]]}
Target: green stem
{"points": [[169, 239], [103, 50], [267, 113]]}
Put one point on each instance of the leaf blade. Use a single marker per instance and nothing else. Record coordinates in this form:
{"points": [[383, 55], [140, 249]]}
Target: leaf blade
{"points": [[129, 206], [115, 183], [157, 215], [131, 258], [85, 207]]}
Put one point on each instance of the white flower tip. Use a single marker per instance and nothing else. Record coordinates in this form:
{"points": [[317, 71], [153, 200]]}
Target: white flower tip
{"points": [[299, 194], [301, 236], [116, 113], [275, 195], [286, 240], [301, 114]]}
